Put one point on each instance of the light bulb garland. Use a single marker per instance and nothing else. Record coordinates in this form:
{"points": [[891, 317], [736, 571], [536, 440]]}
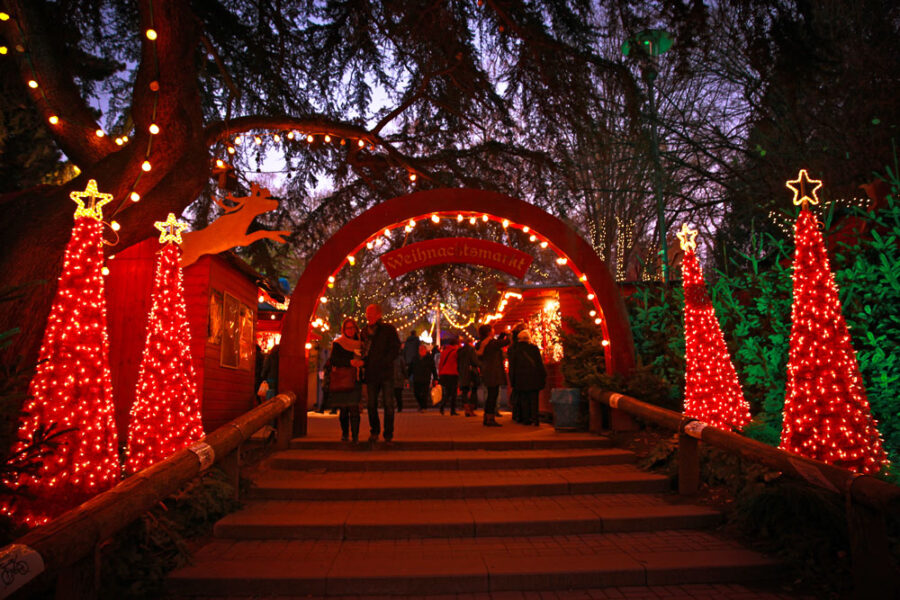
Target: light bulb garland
{"points": [[826, 412], [72, 386], [474, 218], [165, 416], [712, 393]]}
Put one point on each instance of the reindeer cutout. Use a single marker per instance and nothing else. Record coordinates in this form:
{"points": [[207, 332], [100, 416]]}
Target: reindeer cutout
{"points": [[230, 230]]}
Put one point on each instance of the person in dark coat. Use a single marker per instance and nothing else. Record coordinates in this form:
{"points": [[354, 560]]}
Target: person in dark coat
{"points": [[346, 351], [423, 372], [527, 376], [467, 363], [493, 374], [448, 373], [382, 347], [513, 400], [400, 379], [411, 348]]}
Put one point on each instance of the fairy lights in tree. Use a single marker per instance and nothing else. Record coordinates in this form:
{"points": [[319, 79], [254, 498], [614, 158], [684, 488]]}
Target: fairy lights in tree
{"points": [[826, 411], [712, 391], [544, 326], [72, 387], [165, 416]]}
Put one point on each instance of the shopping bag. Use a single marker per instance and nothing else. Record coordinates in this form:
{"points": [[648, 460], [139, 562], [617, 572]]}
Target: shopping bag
{"points": [[436, 395]]}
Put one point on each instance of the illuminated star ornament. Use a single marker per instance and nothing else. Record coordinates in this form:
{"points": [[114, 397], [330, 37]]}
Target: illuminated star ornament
{"points": [[688, 238], [804, 188], [98, 200], [170, 229]]}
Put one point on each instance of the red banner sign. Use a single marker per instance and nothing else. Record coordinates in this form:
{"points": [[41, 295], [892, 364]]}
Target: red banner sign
{"points": [[457, 250]]}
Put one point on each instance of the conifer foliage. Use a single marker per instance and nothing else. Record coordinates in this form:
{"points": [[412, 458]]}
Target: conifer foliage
{"points": [[826, 412], [712, 391], [72, 387], [165, 416]]}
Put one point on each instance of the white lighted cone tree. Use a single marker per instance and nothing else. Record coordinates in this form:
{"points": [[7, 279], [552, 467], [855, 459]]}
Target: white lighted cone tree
{"points": [[712, 392], [826, 411], [165, 416], [72, 387]]}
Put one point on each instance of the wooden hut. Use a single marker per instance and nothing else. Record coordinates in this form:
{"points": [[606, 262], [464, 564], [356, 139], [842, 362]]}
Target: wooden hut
{"points": [[221, 298]]}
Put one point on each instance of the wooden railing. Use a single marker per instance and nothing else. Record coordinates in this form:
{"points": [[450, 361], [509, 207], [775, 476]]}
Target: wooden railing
{"points": [[67, 548], [869, 500]]}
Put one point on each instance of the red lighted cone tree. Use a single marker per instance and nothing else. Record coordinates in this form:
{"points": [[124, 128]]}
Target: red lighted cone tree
{"points": [[826, 411], [72, 387], [712, 391], [165, 416]]}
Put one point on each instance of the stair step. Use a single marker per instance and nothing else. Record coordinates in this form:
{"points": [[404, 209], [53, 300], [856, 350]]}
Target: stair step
{"points": [[558, 442], [467, 565], [422, 460], [472, 517], [280, 484]]}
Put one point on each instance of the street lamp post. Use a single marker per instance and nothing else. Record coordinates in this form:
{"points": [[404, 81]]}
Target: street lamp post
{"points": [[648, 45]]}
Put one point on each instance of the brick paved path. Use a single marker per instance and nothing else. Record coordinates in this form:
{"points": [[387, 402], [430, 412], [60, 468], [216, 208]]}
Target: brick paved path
{"points": [[456, 510]]}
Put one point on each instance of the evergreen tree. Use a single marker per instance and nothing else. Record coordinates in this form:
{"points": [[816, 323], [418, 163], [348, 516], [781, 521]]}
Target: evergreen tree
{"points": [[826, 412], [712, 391], [72, 387], [165, 416]]}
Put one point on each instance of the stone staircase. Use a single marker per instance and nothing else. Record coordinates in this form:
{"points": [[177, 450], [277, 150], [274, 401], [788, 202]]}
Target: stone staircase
{"points": [[524, 510]]}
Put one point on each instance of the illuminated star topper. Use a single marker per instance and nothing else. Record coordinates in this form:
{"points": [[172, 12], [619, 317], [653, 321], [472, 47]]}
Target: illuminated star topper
{"points": [[170, 229], [804, 188], [98, 199], [688, 238]]}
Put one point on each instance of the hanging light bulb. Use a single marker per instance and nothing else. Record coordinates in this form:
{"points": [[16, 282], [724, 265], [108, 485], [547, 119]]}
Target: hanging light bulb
{"points": [[99, 133], [151, 34], [114, 225], [387, 232], [238, 140], [290, 135], [544, 244], [310, 138], [146, 166], [412, 222], [435, 219], [472, 220], [220, 163], [135, 196], [277, 138], [53, 119], [526, 229], [361, 143], [154, 128], [484, 218], [459, 218], [533, 238], [32, 84], [327, 139]]}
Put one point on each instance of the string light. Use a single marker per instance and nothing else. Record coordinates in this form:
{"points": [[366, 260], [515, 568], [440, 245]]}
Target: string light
{"points": [[154, 129], [32, 84], [712, 391], [826, 411], [146, 166], [165, 416], [151, 35], [72, 385]]}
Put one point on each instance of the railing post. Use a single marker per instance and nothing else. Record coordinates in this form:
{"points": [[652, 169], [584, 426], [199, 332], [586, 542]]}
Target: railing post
{"points": [[284, 428], [874, 573], [231, 465], [81, 580], [689, 457]]}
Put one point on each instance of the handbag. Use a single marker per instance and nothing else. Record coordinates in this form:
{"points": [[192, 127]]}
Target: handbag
{"points": [[343, 379], [436, 395]]}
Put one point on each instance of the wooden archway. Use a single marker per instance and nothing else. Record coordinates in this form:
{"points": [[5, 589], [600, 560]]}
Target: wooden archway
{"points": [[601, 288]]}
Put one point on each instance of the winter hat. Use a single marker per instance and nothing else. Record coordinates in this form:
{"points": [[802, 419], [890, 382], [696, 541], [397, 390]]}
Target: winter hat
{"points": [[524, 336]]}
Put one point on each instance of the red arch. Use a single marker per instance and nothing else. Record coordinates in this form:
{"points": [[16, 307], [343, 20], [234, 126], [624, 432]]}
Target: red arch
{"points": [[293, 369]]}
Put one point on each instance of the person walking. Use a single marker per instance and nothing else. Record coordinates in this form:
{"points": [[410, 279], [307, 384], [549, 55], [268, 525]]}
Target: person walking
{"points": [[410, 351], [527, 376], [467, 363], [448, 372], [423, 372], [343, 380], [513, 400], [382, 347], [400, 379], [493, 374]]}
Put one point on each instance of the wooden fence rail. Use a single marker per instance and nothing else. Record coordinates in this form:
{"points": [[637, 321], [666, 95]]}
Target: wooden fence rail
{"points": [[868, 499], [67, 547]]}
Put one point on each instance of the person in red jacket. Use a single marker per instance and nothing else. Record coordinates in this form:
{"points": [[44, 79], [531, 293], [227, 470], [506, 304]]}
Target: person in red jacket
{"points": [[448, 374]]}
